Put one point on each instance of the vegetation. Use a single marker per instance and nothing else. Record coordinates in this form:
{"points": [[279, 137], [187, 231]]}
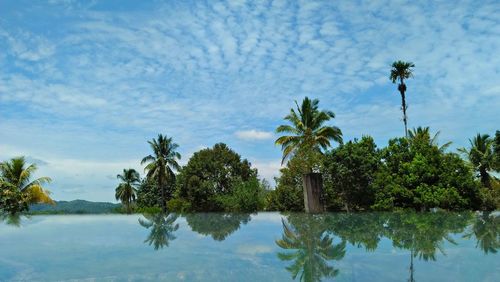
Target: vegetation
{"points": [[309, 134], [161, 165], [75, 207], [413, 172], [126, 190], [18, 188], [401, 71], [217, 179]]}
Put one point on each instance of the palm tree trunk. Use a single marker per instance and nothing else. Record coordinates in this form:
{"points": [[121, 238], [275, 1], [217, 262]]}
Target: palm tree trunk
{"points": [[485, 177], [313, 189], [160, 184], [402, 90]]}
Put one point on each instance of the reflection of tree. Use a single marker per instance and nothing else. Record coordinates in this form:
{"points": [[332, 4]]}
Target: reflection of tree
{"points": [[217, 225], [424, 233], [312, 247], [486, 229], [359, 229], [11, 219], [162, 229]]}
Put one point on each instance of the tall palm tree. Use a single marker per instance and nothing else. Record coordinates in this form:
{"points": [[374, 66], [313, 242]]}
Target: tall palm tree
{"points": [[311, 248], [307, 129], [126, 191], [162, 227], [481, 156], [18, 173], [401, 71], [423, 133], [161, 165]]}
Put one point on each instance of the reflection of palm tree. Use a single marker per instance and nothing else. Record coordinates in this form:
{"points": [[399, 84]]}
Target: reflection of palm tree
{"points": [[11, 219], [217, 225], [313, 248], [486, 229], [162, 229]]}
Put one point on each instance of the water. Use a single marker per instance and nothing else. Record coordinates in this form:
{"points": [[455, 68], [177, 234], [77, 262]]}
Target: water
{"points": [[258, 247]]}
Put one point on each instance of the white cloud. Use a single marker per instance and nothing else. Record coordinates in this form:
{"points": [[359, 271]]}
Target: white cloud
{"points": [[254, 134]]}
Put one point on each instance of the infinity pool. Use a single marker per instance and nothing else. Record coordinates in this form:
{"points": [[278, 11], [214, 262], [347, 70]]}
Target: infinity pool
{"points": [[252, 247]]}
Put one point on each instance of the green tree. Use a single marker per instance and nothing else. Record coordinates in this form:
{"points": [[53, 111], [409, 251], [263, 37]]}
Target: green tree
{"points": [[496, 149], [213, 173], [161, 165], [162, 227], [423, 134], [309, 134], [12, 200], [481, 156], [307, 244], [288, 194], [349, 173], [19, 174], [415, 174], [126, 191], [401, 71]]}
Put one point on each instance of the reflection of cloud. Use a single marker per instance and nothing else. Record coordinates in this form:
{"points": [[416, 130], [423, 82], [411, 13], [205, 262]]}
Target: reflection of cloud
{"points": [[254, 249], [254, 135]]}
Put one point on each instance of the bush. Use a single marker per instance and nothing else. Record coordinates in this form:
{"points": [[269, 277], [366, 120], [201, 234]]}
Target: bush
{"points": [[178, 205]]}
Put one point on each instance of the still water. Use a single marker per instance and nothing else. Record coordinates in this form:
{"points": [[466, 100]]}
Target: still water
{"points": [[252, 247]]}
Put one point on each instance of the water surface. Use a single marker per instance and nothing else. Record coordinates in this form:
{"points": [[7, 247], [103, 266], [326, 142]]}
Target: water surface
{"points": [[252, 247]]}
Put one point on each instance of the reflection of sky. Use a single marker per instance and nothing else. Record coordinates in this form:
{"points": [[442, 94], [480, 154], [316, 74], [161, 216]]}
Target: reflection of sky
{"points": [[110, 247]]}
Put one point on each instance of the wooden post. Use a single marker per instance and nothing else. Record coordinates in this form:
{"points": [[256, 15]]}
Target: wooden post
{"points": [[313, 188]]}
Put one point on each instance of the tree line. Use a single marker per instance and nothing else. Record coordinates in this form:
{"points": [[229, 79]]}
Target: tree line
{"points": [[410, 172]]}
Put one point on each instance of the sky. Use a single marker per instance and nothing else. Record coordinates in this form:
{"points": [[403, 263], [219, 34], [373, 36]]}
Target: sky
{"points": [[85, 84]]}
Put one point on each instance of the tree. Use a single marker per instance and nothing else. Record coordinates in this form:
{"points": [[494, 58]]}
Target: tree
{"points": [[308, 130], [481, 156], [496, 150], [415, 174], [162, 226], [19, 175], [213, 173], [349, 171], [423, 134], [161, 165], [12, 200], [127, 190], [401, 71], [309, 137]]}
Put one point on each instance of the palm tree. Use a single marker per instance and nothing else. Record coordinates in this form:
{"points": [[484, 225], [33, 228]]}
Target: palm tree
{"points": [[307, 129], [311, 246], [309, 137], [401, 71], [18, 174], [161, 164], [481, 156], [126, 191], [423, 133], [162, 229]]}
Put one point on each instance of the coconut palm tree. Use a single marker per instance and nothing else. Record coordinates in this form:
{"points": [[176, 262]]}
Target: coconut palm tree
{"points": [[307, 129], [161, 165], [126, 191], [481, 156], [423, 133], [19, 174], [162, 227], [310, 248], [401, 71], [309, 136]]}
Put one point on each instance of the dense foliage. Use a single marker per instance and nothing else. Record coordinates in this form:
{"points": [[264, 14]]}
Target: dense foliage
{"points": [[217, 179], [349, 172]]}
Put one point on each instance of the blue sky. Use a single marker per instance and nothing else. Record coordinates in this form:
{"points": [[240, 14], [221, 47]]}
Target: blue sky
{"points": [[84, 85]]}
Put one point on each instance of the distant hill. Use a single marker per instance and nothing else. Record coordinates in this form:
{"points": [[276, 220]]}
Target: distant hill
{"points": [[75, 207]]}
